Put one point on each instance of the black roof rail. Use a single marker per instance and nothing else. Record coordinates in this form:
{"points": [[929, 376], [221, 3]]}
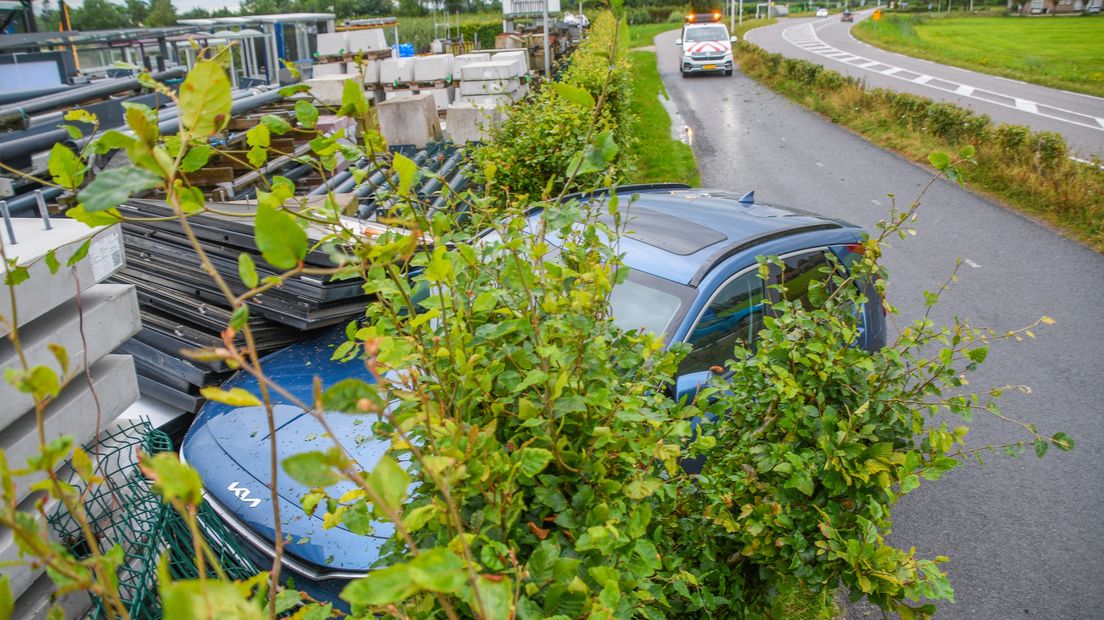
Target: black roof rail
{"points": [[744, 244], [625, 189]]}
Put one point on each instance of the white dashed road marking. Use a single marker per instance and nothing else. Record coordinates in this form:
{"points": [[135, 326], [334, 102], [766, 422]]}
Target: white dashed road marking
{"points": [[805, 36]]}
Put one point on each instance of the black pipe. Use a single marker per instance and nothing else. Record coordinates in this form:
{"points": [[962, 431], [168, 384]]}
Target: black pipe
{"points": [[16, 115], [338, 179], [27, 200], [12, 150], [24, 95]]}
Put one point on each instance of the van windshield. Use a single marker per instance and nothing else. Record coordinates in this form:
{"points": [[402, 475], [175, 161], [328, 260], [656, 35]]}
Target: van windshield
{"points": [[709, 33]]}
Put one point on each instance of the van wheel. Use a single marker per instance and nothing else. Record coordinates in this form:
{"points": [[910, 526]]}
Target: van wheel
{"points": [[728, 72], [684, 74]]}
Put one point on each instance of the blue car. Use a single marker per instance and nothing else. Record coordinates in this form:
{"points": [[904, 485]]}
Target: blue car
{"points": [[694, 278]]}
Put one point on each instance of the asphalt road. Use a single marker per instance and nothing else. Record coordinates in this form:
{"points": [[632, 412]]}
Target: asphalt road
{"points": [[1025, 536], [828, 41]]}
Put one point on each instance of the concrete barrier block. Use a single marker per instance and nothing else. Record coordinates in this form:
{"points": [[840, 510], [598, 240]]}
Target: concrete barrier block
{"points": [[433, 68], [367, 69], [442, 97], [519, 57], [490, 70], [409, 120], [329, 88], [74, 412], [464, 60], [366, 40], [43, 291], [332, 44], [110, 317], [394, 70], [328, 68], [489, 87], [486, 101], [466, 122]]}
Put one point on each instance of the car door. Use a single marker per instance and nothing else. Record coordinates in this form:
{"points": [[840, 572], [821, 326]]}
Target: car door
{"points": [[735, 310]]}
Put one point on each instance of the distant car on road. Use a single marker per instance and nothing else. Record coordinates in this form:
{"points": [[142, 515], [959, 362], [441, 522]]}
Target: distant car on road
{"points": [[706, 45], [693, 278], [847, 16], [822, 13]]}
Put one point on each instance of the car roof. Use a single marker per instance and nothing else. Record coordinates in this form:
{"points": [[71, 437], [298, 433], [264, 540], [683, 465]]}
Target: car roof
{"points": [[678, 233]]}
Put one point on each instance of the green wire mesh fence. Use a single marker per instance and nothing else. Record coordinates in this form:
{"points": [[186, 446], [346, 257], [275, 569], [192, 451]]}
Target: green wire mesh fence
{"points": [[124, 510]]}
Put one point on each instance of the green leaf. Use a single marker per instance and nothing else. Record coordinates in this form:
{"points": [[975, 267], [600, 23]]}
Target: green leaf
{"points": [[259, 135], [496, 597], [61, 355], [205, 99], [111, 140], [1041, 446], [106, 217], [939, 160], [276, 124], [172, 479], [287, 599], [532, 461], [416, 519], [353, 102], [1063, 442], [802, 481], [113, 187], [388, 482], [596, 156], [312, 469], [79, 255], [306, 113], [235, 397], [437, 570], [642, 487], [352, 396], [966, 152], [16, 275], [209, 599], [7, 601], [257, 156], [239, 317], [574, 94], [65, 167], [281, 241], [977, 355], [381, 587], [294, 89], [196, 158], [406, 169], [910, 483], [81, 116], [247, 270]]}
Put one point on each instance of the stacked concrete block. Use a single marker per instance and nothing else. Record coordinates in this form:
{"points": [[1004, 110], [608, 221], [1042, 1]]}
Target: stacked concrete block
{"points": [[368, 70], [520, 57], [329, 88], [467, 122], [396, 71], [328, 68], [433, 68], [332, 44], [409, 120], [442, 96], [464, 60], [497, 82], [372, 40], [48, 313]]}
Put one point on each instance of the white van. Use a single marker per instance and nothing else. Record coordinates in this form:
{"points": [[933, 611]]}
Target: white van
{"points": [[706, 46]]}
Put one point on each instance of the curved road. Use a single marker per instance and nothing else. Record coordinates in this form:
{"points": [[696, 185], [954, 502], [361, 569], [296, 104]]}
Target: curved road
{"points": [[828, 41], [1024, 535]]}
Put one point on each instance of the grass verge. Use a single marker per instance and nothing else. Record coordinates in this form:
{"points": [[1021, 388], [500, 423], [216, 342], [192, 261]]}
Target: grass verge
{"points": [[1063, 53], [1029, 171], [657, 156]]}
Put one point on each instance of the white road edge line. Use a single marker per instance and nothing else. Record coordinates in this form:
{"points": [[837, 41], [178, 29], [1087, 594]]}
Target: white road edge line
{"points": [[805, 33]]}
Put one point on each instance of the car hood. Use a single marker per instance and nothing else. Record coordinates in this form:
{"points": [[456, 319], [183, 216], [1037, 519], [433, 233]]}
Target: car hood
{"points": [[229, 447], [709, 47]]}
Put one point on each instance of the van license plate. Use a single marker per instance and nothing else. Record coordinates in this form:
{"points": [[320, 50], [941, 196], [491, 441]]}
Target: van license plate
{"points": [[708, 67]]}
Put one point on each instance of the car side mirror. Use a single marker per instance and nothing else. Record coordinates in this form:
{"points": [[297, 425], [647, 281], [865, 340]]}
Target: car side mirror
{"points": [[678, 42], [734, 39], [687, 386]]}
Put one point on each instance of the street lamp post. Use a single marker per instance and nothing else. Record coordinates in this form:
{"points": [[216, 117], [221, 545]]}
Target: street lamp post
{"points": [[547, 56]]}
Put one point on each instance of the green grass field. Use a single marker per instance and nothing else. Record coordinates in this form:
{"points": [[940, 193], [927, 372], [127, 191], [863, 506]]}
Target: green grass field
{"points": [[658, 157], [1061, 52]]}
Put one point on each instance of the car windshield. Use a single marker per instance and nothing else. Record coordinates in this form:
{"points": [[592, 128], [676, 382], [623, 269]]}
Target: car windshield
{"points": [[708, 33], [636, 305]]}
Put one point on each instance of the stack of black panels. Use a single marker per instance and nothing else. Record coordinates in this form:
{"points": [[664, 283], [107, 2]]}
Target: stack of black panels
{"points": [[183, 309]]}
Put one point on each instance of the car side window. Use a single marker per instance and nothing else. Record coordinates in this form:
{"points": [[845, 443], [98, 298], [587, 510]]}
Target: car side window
{"points": [[734, 314]]}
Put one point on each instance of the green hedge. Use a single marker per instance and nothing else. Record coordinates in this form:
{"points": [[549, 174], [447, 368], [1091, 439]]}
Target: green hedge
{"points": [[1030, 170], [530, 151]]}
